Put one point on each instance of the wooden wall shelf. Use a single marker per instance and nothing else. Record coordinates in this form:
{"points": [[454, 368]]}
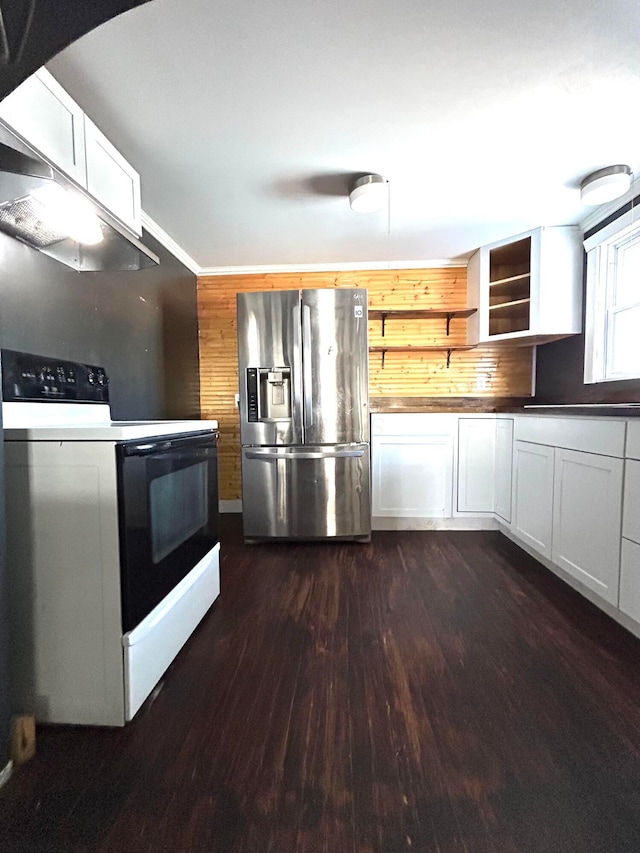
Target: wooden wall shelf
{"points": [[448, 350], [420, 314]]}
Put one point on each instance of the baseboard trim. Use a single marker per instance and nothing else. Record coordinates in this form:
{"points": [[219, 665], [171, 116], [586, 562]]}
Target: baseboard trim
{"points": [[617, 615], [380, 522], [230, 506]]}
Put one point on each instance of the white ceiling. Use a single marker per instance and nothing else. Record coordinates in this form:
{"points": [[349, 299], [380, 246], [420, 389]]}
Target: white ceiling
{"points": [[247, 119]]}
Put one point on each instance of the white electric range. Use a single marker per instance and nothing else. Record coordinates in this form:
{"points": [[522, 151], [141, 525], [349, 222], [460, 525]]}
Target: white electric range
{"points": [[112, 542]]}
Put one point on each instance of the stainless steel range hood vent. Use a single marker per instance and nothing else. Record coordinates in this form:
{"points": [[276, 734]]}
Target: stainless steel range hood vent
{"points": [[23, 171]]}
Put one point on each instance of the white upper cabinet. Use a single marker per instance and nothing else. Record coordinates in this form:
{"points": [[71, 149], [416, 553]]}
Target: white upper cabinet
{"points": [[49, 120], [46, 117], [527, 288], [111, 179]]}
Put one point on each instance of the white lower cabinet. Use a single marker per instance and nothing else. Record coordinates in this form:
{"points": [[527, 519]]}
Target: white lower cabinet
{"points": [[533, 495], [412, 475], [630, 579], [587, 515], [476, 464], [503, 468], [631, 518]]}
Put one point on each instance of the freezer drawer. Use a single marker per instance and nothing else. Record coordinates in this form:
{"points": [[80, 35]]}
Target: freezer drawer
{"points": [[306, 492]]}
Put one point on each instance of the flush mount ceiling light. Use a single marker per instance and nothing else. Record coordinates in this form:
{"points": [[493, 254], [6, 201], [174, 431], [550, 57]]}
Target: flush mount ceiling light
{"points": [[605, 184], [369, 193]]}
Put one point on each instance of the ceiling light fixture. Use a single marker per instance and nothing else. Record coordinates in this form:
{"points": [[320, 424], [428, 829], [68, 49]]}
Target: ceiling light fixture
{"points": [[605, 185], [369, 193]]}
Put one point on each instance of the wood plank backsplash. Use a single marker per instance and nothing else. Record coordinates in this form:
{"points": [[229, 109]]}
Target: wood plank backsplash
{"points": [[480, 372]]}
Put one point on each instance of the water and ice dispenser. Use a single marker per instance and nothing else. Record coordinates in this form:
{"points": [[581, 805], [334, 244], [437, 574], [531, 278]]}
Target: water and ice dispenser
{"points": [[268, 394]]}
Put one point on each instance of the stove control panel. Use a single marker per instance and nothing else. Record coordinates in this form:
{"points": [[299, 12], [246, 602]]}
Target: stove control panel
{"points": [[35, 378]]}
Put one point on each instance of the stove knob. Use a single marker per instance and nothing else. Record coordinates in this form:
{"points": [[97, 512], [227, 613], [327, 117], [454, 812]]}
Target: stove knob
{"points": [[91, 377]]}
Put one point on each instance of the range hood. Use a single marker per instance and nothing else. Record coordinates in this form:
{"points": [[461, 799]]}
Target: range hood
{"points": [[23, 171]]}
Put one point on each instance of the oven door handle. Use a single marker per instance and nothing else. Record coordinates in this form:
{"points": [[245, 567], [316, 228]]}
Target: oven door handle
{"points": [[148, 448]]}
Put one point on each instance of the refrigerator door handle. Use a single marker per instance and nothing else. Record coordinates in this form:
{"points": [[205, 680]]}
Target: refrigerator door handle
{"points": [[272, 455], [306, 366]]}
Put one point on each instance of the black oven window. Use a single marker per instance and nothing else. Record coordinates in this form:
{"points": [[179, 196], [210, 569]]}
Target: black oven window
{"points": [[178, 504]]}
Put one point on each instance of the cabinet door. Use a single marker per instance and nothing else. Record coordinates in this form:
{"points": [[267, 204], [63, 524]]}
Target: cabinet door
{"points": [[476, 455], [503, 472], [631, 517], [587, 513], [413, 476], [527, 287], [533, 495], [111, 179], [630, 579], [49, 120]]}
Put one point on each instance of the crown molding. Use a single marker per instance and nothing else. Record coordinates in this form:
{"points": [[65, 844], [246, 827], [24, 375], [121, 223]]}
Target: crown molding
{"points": [[336, 267], [169, 243], [178, 252]]}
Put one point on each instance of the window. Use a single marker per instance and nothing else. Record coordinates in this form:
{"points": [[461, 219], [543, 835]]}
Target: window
{"points": [[612, 346]]}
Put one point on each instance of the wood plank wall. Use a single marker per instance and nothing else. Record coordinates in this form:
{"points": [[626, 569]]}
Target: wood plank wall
{"points": [[480, 372]]}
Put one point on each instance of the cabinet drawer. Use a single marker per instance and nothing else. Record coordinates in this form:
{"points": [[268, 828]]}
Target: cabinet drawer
{"points": [[591, 435], [630, 579], [631, 517]]}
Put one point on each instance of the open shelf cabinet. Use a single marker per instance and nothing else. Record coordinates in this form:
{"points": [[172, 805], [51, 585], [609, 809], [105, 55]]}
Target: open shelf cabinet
{"points": [[527, 288]]}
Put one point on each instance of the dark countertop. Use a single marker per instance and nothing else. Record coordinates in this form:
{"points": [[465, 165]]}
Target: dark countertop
{"points": [[608, 410], [420, 405], [514, 405]]}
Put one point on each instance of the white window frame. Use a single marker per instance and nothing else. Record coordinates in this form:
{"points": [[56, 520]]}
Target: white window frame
{"points": [[602, 251]]}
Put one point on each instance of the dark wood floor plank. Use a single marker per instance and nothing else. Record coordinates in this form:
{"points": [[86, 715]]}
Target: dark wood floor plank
{"points": [[431, 691]]}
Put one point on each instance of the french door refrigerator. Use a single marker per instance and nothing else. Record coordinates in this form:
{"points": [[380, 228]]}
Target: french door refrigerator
{"points": [[304, 414]]}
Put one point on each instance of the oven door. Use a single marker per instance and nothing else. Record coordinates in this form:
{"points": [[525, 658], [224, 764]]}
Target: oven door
{"points": [[168, 507]]}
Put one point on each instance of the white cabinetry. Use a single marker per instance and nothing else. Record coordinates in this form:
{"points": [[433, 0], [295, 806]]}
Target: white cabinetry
{"points": [[533, 495], [46, 117], [51, 122], [476, 464], [629, 600], [587, 512], [503, 468], [630, 579], [631, 520], [412, 465], [527, 287], [111, 179]]}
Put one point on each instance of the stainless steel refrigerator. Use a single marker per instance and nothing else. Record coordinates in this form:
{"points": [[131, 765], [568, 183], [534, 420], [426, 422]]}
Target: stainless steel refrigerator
{"points": [[304, 414]]}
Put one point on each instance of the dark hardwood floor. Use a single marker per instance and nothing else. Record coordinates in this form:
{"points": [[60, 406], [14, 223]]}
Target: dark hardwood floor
{"points": [[428, 692]]}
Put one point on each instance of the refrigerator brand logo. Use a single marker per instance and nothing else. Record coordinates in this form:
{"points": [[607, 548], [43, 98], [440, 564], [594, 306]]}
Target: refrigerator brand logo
{"points": [[358, 311]]}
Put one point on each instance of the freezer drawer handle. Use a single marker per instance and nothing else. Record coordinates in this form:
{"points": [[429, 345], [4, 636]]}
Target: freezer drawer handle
{"points": [[271, 456]]}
